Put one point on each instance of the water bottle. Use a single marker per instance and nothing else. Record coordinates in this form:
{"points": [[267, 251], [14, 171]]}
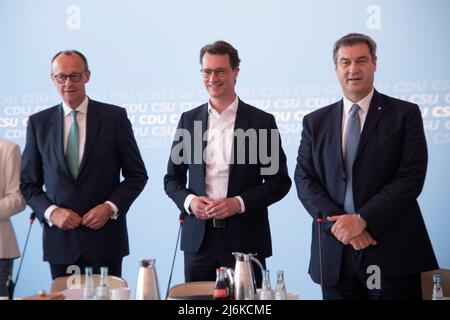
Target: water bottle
{"points": [[103, 288], [281, 292], [88, 289], [266, 288], [437, 289], [221, 290], [229, 282]]}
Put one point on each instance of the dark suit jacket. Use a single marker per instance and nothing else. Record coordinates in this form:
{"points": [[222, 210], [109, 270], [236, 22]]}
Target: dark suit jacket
{"points": [[248, 232], [388, 176], [109, 149]]}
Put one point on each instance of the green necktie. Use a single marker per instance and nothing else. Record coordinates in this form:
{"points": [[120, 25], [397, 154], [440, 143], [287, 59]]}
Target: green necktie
{"points": [[73, 145]]}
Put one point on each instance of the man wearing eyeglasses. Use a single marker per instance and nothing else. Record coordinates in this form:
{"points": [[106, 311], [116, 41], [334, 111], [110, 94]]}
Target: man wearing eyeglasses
{"points": [[71, 168], [219, 145]]}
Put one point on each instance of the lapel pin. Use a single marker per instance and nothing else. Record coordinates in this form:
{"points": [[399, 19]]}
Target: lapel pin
{"points": [[379, 108]]}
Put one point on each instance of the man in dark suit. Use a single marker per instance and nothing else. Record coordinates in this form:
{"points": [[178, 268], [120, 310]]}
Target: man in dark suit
{"points": [[77, 150], [361, 166], [223, 145]]}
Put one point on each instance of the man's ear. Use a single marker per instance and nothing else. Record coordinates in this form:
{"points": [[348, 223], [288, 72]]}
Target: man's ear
{"points": [[87, 74], [236, 72]]}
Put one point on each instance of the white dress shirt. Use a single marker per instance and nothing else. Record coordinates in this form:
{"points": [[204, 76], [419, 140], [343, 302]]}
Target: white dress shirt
{"points": [[81, 120], [364, 105], [220, 132]]}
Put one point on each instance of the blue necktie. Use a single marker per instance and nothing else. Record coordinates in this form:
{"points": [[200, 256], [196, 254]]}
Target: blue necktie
{"points": [[353, 134], [73, 145]]}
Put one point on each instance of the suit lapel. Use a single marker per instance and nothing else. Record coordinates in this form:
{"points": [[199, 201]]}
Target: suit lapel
{"points": [[204, 120], [336, 131], [56, 127], [374, 114], [242, 122], [202, 116], [92, 125]]}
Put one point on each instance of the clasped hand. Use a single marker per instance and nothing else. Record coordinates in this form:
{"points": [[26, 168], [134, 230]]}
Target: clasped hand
{"points": [[67, 219], [351, 229], [205, 208]]}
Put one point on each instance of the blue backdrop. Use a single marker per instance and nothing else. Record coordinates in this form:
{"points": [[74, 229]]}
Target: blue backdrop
{"points": [[144, 56]]}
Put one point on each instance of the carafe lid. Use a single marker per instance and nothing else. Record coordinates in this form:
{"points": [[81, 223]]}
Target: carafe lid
{"points": [[147, 263]]}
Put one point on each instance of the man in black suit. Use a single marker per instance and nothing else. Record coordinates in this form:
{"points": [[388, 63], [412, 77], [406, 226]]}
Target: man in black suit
{"points": [[77, 150], [237, 168], [361, 166]]}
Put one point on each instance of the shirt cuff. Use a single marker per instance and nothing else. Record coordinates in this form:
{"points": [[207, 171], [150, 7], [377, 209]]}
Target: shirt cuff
{"points": [[187, 202], [115, 210], [241, 203], [48, 213]]}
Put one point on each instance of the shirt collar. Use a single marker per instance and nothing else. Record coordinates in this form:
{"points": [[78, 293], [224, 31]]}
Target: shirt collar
{"points": [[81, 108], [231, 108], [364, 103]]}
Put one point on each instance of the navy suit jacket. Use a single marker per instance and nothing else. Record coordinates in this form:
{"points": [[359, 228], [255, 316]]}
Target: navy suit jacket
{"points": [[388, 176], [110, 148], [249, 231]]}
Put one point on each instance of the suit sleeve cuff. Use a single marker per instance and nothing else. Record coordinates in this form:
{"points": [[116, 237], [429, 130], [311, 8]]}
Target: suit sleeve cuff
{"points": [[241, 202], [115, 210], [363, 221], [48, 213], [187, 203]]}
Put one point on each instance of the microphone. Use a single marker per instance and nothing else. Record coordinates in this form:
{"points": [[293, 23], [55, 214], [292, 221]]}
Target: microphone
{"points": [[319, 232], [10, 284], [181, 218]]}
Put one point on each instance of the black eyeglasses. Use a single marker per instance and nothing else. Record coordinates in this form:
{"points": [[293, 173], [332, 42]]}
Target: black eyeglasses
{"points": [[74, 77]]}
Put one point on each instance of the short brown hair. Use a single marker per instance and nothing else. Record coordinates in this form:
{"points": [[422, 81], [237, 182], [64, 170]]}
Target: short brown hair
{"points": [[352, 39], [221, 47]]}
